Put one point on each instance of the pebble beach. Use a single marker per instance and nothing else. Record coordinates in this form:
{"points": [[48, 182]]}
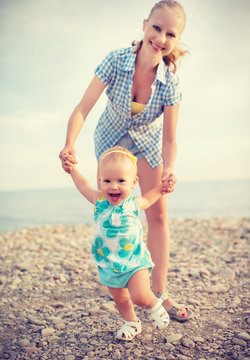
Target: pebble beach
{"points": [[52, 305]]}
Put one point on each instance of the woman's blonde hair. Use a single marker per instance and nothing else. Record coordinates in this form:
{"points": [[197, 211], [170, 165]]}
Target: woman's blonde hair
{"points": [[172, 58]]}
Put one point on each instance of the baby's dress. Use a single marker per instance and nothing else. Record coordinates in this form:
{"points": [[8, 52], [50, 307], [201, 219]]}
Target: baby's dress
{"points": [[118, 237]]}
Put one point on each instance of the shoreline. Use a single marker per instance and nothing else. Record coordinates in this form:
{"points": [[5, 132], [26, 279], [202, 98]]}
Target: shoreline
{"points": [[53, 306], [50, 227]]}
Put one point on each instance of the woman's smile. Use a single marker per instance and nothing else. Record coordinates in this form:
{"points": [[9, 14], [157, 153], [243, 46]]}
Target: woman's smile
{"points": [[156, 47]]}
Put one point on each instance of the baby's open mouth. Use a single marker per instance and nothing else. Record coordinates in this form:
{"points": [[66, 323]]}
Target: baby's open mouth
{"points": [[115, 195]]}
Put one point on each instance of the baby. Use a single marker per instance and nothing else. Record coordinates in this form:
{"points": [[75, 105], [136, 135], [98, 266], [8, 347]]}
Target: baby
{"points": [[118, 249]]}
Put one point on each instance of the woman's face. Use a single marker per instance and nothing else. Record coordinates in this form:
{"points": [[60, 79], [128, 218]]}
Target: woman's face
{"points": [[162, 31]]}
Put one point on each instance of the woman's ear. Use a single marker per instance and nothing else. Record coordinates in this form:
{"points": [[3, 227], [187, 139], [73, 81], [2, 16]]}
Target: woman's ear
{"points": [[144, 24]]}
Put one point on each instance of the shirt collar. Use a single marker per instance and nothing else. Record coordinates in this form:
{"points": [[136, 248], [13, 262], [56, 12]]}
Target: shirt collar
{"points": [[130, 61], [162, 72]]}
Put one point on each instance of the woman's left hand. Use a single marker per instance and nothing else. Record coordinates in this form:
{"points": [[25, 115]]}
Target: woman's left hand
{"points": [[168, 181]]}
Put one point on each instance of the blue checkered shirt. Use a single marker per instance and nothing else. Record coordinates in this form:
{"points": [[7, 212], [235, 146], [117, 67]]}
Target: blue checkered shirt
{"points": [[116, 71]]}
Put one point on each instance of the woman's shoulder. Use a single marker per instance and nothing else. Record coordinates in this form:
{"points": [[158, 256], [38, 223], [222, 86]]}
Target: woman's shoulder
{"points": [[122, 52]]}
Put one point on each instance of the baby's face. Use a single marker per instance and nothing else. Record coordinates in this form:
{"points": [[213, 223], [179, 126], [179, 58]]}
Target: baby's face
{"points": [[117, 179]]}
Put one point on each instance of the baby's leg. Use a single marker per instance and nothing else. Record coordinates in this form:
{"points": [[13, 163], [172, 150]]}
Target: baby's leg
{"points": [[123, 303], [142, 295], [139, 289]]}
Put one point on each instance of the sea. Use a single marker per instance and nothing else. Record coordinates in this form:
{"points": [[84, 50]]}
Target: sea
{"points": [[29, 208]]}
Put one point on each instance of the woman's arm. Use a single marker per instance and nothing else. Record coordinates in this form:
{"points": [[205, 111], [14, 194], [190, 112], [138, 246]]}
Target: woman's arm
{"points": [[78, 118], [169, 145]]}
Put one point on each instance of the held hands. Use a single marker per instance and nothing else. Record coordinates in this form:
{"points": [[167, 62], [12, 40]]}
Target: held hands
{"points": [[168, 182], [67, 156]]}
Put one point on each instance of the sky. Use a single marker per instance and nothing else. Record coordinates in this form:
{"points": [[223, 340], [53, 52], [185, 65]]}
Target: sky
{"points": [[49, 51]]}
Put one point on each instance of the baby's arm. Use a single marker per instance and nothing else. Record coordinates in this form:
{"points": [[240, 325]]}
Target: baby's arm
{"points": [[84, 186], [148, 199]]}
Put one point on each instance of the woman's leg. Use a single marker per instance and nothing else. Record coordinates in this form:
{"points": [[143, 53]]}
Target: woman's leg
{"points": [[123, 303], [158, 231]]}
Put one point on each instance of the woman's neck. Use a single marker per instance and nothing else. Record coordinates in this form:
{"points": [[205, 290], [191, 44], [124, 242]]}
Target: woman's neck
{"points": [[148, 64]]}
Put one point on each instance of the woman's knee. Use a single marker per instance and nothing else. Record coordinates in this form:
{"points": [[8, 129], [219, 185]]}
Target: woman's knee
{"points": [[157, 218]]}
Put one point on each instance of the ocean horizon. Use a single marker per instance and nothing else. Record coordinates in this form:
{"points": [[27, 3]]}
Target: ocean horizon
{"points": [[206, 199]]}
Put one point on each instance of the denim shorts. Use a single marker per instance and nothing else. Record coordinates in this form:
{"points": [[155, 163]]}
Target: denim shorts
{"points": [[127, 142], [110, 278]]}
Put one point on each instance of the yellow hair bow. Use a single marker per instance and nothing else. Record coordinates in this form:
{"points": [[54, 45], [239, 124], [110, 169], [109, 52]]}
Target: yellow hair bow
{"points": [[132, 157]]}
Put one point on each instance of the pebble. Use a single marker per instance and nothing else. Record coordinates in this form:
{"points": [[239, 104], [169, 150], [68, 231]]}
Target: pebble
{"points": [[34, 320], [240, 342], [47, 331], [199, 339], [227, 273], [220, 324], [23, 342], [109, 307], [52, 305], [70, 357], [174, 338], [185, 341], [243, 335], [218, 288]]}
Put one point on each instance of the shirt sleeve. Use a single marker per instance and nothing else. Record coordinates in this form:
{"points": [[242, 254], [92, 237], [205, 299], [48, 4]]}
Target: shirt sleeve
{"points": [[105, 69], [173, 91]]}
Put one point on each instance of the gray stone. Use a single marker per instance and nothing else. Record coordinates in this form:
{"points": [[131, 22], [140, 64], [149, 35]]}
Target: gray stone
{"points": [[243, 336], [240, 342], [70, 357], [185, 341], [35, 320], [24, 342], [218, 288], [227, 273], [198, 339], [174, 338]]}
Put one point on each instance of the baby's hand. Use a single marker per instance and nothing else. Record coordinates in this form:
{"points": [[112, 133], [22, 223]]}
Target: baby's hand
{"points": [[68, 162], [168, 187]]}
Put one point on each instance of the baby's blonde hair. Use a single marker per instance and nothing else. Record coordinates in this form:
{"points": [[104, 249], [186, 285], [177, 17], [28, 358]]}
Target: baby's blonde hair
{"points": [[118, 153], [172, 58]]}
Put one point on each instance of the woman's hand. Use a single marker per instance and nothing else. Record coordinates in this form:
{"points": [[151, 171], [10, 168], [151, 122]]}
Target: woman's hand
{"points": [[168, 181], [67, 156]]}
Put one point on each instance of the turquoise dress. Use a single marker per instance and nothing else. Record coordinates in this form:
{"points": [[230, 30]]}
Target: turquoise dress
{"points": [[118, 237]]}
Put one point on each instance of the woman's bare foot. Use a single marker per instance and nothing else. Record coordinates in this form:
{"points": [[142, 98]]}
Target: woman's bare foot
{"points": [[178, 312]]}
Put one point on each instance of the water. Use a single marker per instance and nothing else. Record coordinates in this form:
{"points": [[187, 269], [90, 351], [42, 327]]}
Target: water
{"points": [[19, 209]]}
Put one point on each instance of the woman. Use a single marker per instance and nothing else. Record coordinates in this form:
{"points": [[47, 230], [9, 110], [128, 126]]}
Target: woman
{"points": [[142, 84]]}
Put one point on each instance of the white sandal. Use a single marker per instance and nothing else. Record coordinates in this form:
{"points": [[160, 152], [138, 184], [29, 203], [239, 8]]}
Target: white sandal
{"points": [[159, 314], [129, 330]]}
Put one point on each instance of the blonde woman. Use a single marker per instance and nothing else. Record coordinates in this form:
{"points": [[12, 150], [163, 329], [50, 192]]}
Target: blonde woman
{"points": [[141, 84]]}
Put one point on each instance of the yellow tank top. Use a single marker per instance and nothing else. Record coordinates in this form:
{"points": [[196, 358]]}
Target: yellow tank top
{"points": [[136, 108]]}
